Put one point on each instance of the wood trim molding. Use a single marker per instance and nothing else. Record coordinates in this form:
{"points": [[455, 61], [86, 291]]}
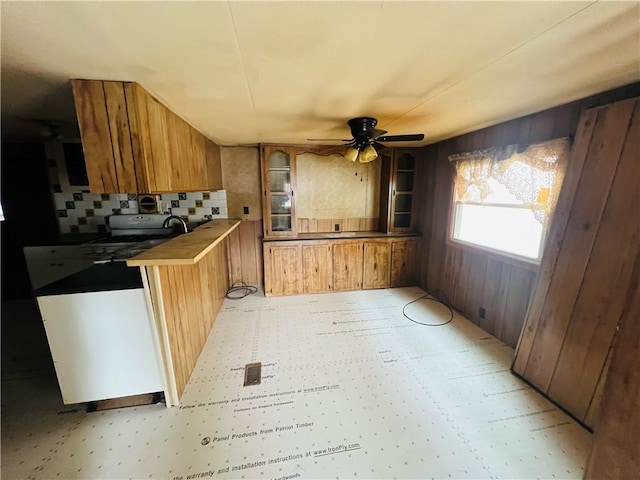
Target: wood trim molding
{"points": [[155, 293]]}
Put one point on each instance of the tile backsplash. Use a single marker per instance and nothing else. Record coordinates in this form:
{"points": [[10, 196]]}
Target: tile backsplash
{"points": [[84, 212]]}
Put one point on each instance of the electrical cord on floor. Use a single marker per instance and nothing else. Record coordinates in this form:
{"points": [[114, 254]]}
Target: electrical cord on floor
{"points": [[240, 290], [428, 296]]}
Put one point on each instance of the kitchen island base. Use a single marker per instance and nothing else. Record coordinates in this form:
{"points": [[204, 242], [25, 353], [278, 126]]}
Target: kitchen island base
{"points": [[185, 281]]}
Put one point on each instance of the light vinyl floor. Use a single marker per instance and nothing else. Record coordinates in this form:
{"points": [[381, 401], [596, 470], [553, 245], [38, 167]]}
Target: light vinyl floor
{"points": [[350, 389]]}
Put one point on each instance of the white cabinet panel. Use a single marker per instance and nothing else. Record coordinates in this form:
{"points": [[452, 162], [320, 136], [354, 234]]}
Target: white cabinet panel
{"points": [[102, 344]]}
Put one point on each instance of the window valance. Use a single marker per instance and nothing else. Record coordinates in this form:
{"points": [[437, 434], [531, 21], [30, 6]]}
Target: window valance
{"points": [[534, 176]]}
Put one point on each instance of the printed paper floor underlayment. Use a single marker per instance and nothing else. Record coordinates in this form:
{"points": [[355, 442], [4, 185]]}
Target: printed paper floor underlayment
{"points": [[350, 389]]}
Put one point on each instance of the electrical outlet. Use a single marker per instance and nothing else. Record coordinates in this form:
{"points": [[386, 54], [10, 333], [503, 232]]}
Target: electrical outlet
{"points": [[482, 312], [245, 210]]}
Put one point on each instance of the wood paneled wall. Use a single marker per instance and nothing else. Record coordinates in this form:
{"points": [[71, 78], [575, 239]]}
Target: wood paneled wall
{"points": [[191, 298], [616, 448], [245, 254], [471, 279], [314, 225], [587, 268]]}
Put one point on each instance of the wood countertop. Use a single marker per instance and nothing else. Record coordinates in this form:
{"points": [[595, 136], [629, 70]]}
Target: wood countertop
{"points": [[186, 249], [341, 236]]}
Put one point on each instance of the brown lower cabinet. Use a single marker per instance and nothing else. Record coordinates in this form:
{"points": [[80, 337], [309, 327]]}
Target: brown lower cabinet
{"points": [[285, 269], [377, 268], [317, 268], [293, 267], [347, 266], [404, 260]]}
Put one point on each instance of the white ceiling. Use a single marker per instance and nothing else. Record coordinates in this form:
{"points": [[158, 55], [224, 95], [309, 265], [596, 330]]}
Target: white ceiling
{"points": [[249, 72]]}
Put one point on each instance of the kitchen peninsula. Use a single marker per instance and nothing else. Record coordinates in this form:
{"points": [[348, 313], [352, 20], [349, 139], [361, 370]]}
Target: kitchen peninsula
{"points": [[185, 280]]}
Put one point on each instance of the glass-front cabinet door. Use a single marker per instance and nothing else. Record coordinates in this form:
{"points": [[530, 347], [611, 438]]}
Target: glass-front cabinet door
{"points": [[402, 195], [278, 179]]}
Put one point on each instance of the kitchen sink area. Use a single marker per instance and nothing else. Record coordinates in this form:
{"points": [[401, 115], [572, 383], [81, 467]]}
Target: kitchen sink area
{"points": [[130, 236], [138, 248]]}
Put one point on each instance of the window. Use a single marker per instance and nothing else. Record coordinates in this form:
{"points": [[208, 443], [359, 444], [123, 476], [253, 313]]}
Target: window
{"points": [[505, 198], [69, 157]]}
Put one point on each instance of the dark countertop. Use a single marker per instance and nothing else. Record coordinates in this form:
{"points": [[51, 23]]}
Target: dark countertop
{"points": [[98, 278], [67, 239]]}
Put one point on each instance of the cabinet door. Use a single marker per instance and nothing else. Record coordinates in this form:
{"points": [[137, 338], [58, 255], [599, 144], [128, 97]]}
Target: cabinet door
{"points": [[285, 270], [180, 158], [120, 136], [140, 137], [402, 201], [157, 148], [376, 264], [404, 263], [213, 165], [347, 266], [93, 120], [386, 164], [317, 268], [278, 181]]}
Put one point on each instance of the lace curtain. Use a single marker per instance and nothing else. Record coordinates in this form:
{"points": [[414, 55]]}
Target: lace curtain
{"points": [[534, 176]]}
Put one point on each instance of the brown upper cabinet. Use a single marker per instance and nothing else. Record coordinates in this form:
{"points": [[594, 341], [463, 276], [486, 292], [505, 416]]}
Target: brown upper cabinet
{"points": [[278, 183], [134, 144], [397, 179]]}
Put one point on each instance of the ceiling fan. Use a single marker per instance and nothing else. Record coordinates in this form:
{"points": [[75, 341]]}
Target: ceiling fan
{"points": [[366, 137]]}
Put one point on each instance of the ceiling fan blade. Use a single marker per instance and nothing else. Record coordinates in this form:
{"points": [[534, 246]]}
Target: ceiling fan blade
{"points": [[415, 137], [375, 132]]}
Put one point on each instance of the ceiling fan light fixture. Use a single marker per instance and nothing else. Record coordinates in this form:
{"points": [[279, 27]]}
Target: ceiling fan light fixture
{"points": [[351, 154], [368, 154]]}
